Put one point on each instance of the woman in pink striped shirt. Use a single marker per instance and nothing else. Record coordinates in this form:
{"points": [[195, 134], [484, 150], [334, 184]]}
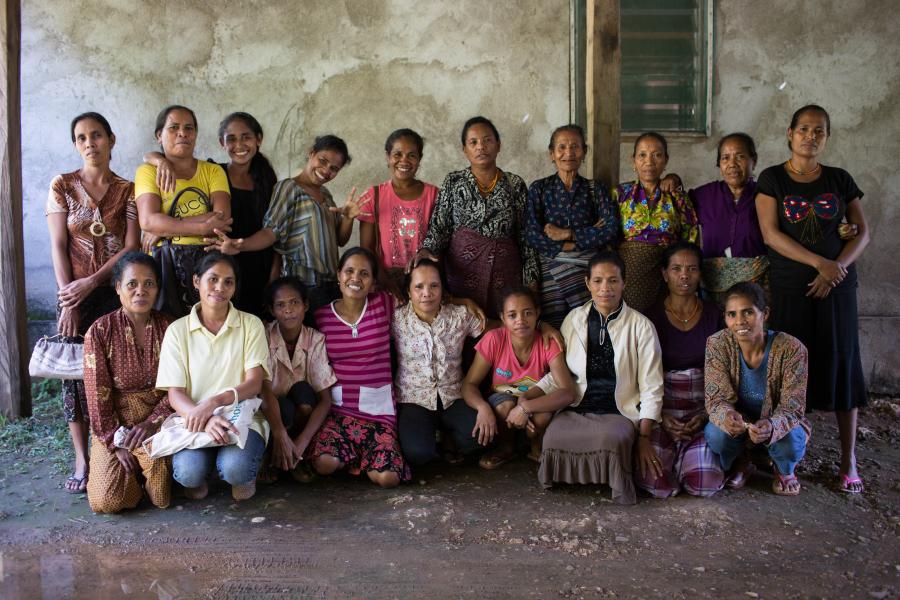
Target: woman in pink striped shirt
{"points": [[360, 432]]}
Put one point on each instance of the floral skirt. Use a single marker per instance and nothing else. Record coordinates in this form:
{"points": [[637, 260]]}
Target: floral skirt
{"points": [[361, 445]]}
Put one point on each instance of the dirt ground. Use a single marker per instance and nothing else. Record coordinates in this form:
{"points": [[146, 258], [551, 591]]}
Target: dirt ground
{"points": [[459, 532]]}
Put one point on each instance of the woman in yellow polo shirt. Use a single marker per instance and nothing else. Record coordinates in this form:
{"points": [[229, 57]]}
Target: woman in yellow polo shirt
{"points": [[214, 356], [180, 216]]}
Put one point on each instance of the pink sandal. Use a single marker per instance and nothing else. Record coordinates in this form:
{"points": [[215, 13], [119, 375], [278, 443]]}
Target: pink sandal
{"points": [[844, 483]]}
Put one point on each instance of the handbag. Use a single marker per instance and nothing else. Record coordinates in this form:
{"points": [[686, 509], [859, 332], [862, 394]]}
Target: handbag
{"points": [[170, 296], [53, 358]]}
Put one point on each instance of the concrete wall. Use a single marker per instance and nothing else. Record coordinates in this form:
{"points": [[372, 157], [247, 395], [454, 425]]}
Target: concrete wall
{"points": [[362, 68], [772, 58]]}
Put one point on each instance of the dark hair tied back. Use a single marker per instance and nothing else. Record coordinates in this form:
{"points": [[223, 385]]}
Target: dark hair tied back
{"points": [[91, 115], [333, 143], [261, 171], [399, 134], [607, 257], [750, 291], [744, 138], [651, 135], [572, 128], [479, 120], [135, 257], [164, 114]]}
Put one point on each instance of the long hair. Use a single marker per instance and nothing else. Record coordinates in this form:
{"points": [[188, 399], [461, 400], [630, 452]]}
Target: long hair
{"points": [[261, 171]]}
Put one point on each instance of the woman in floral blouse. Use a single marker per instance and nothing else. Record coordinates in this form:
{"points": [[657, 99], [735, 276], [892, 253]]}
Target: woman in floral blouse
{"points": [[651, 220], [478, 223]]}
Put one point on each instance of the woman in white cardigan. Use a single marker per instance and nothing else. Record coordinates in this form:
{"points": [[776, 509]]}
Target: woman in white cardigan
{"points": [[614, 355]]}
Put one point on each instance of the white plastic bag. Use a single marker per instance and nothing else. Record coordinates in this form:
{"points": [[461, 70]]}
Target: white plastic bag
{"points": [[173, 436]]}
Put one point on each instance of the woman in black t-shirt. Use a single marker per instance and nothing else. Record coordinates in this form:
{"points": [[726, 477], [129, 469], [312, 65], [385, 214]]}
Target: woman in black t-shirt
{"points": [[801, 205]]}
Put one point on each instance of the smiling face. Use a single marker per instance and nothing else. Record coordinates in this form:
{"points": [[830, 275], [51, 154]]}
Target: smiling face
{"points": [[216, 286], [179, 135], [744, 319], [289, 308], [482, 146], [650, 160], [682, 276], [425, 290], [93, 143], [137, 289], [568, 151], [355, 277], [520, 316], [323, 166], [403, 159], [808, 138], [605, 283], [240, 142], [735, 163]]}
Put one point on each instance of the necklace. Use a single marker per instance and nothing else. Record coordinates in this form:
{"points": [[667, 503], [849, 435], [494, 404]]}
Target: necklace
{"points": [[486, 190], [791, 168], [684, 322]]}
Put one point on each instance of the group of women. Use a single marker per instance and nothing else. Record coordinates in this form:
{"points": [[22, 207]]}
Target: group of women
{"points": [[369, 361]]}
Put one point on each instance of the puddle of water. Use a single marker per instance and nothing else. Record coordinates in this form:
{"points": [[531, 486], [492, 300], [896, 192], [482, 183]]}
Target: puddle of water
{"points": [[104, 574]]}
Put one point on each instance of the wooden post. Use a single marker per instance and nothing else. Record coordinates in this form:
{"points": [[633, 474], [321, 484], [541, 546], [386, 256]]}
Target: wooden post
{"points": [[602, 75], [15, 393]]}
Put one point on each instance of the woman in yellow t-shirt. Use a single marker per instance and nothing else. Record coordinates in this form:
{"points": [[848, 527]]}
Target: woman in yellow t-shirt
{"points": [[180, 218]]}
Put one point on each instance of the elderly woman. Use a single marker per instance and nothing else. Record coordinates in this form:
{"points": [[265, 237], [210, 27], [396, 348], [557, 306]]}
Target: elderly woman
{"points": [[614, 354], [93, 221], [683, 322], [569, 218], [121, 355], [478, 224], [651, 220], [215, 356], [756, 389], [801, 204]]}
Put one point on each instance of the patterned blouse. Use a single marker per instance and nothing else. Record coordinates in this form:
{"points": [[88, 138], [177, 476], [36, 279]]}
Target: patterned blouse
{"points": [[305, 232], [120, 377], [429, 356], [500, 215], [309, 362], [86, 252], [671, 218], [578, 209], [786, 373]]}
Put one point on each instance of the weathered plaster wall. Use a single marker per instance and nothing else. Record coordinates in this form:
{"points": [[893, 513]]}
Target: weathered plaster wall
{"points": [[358, 68], [772, 58]]}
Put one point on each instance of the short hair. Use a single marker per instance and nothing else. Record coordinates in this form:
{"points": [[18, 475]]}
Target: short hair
{"points": [[606, 257], [91, 115], [680, 246], [428, 263], [517, 290], [164, 114], [810, 108], [366, 253], [289, 281], [744, 138], [399, 134], [749, 290], [135, 257], [571, 127], [478, 120], [333, 143], [651, 135], [211, 259]]}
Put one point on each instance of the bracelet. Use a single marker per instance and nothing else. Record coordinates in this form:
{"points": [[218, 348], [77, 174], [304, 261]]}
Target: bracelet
{"points": [[235, 392]]}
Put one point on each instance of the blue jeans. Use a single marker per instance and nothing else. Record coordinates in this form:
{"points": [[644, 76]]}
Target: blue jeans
{"points": [[191, 468], [785, 453]]}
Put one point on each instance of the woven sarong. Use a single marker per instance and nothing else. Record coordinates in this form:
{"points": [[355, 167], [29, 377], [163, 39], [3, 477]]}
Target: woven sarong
{"points": [[480, 267], [562, 288], [722, 272], [643, 276]]}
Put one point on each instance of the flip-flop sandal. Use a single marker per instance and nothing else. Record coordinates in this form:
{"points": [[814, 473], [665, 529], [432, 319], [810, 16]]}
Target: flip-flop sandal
{"points": [[781, 483], [845, 482], [80, 486], [741, 478], [496, 459]]}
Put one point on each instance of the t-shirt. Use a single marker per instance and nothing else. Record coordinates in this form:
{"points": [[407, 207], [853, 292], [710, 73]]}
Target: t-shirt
{"points": [[752, 387], [509, 375], [360, 354], [402, 224], [208, 177], [810, 214], [685, 349]]}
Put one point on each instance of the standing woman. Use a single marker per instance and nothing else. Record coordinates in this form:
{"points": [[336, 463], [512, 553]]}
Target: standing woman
{"points": [[801, 204], [304, 224], [651, 220], [569, 219], [394, 215], [479, 224], [193, 207], [93, 221], [250, 181]]}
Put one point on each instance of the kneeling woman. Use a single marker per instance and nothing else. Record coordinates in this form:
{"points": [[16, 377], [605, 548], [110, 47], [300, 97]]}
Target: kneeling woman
{"points": [[121, 355], [614, 353], [756, 388], [360, 432], [215, 356]]}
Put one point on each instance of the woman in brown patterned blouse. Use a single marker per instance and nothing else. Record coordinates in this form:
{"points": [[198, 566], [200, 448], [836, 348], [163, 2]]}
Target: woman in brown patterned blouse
{"points": [[93, 221], [121, 356]]}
